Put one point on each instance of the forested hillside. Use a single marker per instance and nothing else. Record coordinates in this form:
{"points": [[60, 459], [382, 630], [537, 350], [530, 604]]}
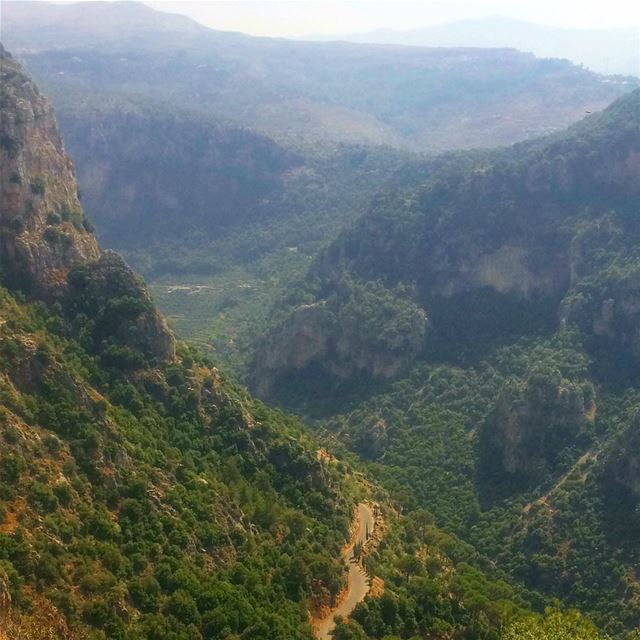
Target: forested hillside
{"points": [[149, 176], [143, 496], [500, 246], [302, 93], [462, 329], [502, 297], [220, 164]]}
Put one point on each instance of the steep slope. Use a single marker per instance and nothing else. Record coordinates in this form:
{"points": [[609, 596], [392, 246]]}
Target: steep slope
{"points": [[148, 176], [605, 50], [512, 243], [43, 231], [141, 495], [301, 93], [224, 221], [48, 248], [513, 416]]}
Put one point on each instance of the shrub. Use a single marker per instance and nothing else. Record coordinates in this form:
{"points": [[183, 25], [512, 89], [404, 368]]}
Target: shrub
{"points": [[145, 593], [42, 497], [11, 466], [52, 235], [37, 185]]}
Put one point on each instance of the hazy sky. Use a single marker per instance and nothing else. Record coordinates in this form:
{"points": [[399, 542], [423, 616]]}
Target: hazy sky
{"points": [[298, 18]]}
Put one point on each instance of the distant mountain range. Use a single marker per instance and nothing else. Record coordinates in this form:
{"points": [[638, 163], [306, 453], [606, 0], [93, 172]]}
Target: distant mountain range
{"points": [[300, 93], [610, 51]]}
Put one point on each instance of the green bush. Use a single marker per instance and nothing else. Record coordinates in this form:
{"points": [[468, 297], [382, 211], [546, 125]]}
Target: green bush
{"points": [[37, 185]]}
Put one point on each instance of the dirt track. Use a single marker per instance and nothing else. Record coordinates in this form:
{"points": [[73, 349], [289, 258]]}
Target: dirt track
{"points": [[358, 578]]}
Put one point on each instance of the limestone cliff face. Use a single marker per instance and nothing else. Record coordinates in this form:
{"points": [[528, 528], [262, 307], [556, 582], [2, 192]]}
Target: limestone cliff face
{"points": [[44, 236], [334, 338], [148, 177], [508, 268], [533, 422], [492, 244], [42, 228], [608, 308], [604, 299]]}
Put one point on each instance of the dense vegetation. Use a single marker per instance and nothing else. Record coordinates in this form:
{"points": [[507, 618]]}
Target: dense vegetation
{"points": [[152, 107], [163, 502], [475, 335], [169, 492], [517, 429], [143, 496], [566, 535]]}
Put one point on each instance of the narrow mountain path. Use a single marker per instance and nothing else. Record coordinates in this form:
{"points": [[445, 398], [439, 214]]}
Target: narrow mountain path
{"points": [[358, 577], [588, 457]]}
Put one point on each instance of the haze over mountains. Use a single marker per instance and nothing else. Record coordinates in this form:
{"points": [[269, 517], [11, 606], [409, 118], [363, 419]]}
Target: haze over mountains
{"points": [[301, 92], [610, 51], [429, 254]]}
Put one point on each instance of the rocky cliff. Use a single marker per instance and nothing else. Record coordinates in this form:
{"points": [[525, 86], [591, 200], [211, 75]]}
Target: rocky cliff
{"points": [[122, 462], [44, 237], [532, 424], [514, 241], [506, 223], [147, 176], [362, 332], [42, 228]]}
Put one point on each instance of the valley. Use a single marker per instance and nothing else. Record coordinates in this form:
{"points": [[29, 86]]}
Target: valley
{"points": [[313, 339]]}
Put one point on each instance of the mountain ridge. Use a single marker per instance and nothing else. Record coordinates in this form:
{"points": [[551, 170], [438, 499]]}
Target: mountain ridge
{"points": [[513, 416], [606, 50], [489, 228], [418, 99]]}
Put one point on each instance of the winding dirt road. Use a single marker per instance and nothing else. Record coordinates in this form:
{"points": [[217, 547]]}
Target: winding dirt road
{"points": [[358, 578]]}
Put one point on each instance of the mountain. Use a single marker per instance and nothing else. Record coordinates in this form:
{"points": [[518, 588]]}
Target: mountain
{"points": [[220, 164], [135, 481], [143, 495], [475, 338], [302, 93], [39, 247], [147, 176], [39, 25], [505, 237], [511, 236], [613, 50]]}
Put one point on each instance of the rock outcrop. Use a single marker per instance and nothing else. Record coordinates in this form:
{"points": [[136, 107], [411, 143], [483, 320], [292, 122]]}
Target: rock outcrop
{"points": [[532, 423], [42, 228], [607, 307], [369, 333], [507, 243], [47, 248]]}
